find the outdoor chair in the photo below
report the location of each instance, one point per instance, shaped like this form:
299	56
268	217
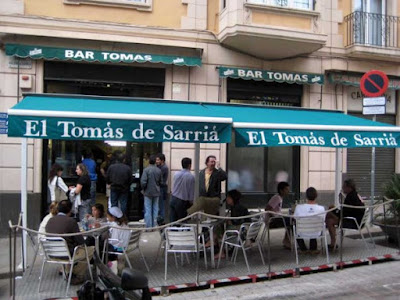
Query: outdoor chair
183	240
35	242
245	238
268	228
133	244
359	227
308	228
56	251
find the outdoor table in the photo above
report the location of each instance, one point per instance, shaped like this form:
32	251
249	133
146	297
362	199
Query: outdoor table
209	224
96	235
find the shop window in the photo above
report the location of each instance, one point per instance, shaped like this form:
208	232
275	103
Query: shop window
296	4
136	4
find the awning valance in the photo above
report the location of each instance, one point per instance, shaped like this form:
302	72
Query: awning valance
72	117
278	76
353	79
96	118
44	52
274	126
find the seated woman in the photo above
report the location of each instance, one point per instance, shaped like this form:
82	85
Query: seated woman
333	218
97	217
53	211
235	210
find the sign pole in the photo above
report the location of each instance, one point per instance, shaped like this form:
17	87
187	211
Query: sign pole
372	179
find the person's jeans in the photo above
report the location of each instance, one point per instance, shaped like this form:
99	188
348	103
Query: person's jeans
161	203
84	209
92	194
177	209
121	197
150	211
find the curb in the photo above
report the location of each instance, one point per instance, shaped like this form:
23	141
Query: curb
185	287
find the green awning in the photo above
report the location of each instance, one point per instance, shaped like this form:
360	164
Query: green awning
278	76
69	117
72	117
354	78
43	52
274	126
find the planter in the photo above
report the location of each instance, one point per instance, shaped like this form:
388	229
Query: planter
390	229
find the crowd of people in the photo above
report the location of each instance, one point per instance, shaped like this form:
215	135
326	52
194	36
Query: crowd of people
80	200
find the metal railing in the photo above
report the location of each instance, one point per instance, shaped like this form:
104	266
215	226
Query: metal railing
372	29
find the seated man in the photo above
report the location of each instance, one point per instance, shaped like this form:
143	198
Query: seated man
63	223
275	205
309	209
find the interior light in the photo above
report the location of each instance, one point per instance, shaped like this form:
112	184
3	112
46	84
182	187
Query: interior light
116	143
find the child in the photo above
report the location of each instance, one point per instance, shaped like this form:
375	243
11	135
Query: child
118	238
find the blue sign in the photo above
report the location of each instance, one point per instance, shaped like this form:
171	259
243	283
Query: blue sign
3	123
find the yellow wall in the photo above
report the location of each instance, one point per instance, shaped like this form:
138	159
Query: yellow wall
164	13
213	15
295	22
345	6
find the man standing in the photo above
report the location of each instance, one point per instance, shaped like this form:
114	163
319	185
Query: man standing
209	188
275	205
119	176
160	162
151	182
91	167
62	223
182	191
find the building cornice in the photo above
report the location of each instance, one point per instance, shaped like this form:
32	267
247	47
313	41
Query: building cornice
110	32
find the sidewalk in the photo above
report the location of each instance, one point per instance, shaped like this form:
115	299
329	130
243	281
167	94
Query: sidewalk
183	277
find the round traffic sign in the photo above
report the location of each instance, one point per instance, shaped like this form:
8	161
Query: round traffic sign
374	83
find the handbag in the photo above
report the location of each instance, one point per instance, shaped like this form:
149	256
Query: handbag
60	195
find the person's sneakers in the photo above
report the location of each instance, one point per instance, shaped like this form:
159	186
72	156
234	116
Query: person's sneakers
315	252
331	248
75	280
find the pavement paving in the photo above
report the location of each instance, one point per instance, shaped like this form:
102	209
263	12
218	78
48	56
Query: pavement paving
378	281
307	286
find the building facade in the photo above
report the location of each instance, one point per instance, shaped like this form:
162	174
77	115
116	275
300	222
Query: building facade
300	53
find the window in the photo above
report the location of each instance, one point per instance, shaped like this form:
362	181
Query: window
370	25
136	4
297	4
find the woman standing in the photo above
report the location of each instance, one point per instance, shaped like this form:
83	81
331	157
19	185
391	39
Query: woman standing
83	190
55	181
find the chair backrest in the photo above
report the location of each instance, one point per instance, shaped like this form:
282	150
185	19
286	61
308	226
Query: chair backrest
134	239
55	247
180	236
310	226
365	217
253	231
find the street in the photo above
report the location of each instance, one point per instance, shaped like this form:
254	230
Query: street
378	281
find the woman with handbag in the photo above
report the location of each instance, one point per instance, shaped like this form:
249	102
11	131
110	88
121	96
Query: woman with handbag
58	189
82	189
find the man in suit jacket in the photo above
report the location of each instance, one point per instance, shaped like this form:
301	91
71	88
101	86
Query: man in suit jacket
210	180
62	223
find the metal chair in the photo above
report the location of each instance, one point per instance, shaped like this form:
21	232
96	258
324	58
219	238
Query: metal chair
183	240
35	242
133	244
310	228
359	226
56	251
245	238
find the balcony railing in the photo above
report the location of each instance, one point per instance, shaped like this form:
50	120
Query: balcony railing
372	29
296	4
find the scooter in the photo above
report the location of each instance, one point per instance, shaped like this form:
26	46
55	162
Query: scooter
131	285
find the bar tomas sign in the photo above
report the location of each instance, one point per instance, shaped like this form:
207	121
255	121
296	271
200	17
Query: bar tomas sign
278	76
316	138
38	52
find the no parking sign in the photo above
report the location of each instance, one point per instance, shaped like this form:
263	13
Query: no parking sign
374	83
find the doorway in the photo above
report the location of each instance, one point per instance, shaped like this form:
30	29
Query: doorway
101	80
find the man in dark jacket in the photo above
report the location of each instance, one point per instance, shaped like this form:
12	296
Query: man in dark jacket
63	223
119	176
210	180
151	182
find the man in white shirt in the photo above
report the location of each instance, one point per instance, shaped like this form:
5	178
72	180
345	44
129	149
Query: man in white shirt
309	209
